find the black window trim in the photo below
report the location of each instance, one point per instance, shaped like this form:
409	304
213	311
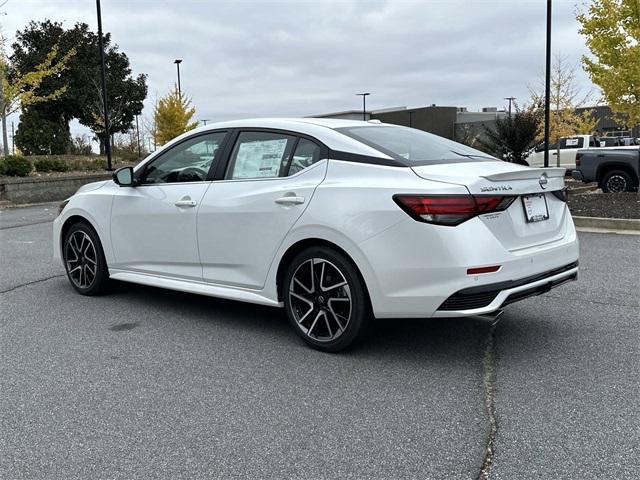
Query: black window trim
216	160
232	139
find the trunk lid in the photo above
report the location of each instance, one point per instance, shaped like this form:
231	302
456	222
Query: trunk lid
511	226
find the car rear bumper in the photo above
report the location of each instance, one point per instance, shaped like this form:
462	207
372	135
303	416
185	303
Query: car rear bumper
489	298
415	268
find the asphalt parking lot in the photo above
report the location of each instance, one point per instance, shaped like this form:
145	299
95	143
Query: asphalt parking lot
146	383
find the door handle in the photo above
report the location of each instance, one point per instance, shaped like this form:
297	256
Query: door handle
289	200
185	202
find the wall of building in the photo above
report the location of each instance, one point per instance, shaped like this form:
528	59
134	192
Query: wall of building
434	119
607	124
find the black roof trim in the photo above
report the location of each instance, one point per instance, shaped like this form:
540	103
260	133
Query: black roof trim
357	158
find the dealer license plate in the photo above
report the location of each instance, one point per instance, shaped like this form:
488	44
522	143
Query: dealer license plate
535	207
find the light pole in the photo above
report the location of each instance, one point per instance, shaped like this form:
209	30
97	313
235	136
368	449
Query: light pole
547	87
138	136
204	121
364	103
511	99
103	78
178	61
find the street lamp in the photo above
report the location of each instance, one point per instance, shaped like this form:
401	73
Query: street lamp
364	103
103	78
511	99
204	121
178	61
547	88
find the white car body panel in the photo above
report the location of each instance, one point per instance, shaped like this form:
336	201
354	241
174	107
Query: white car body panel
150	234
241	224
231	243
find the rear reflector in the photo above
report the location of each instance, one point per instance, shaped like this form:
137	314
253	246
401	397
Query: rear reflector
450	209
477	270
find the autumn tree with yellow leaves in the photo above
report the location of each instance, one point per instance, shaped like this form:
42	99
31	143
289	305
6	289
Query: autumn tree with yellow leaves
612	32
172	116
20	89
566	97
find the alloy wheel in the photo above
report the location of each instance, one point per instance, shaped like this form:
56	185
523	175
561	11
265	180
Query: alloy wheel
320	300
617	184
81	259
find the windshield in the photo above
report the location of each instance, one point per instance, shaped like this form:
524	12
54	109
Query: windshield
414	147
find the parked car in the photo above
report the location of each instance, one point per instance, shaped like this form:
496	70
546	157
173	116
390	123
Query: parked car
615	169
568	148
336	221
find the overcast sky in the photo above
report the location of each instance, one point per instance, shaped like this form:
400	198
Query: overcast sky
294	58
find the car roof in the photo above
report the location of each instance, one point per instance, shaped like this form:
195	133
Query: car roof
323	129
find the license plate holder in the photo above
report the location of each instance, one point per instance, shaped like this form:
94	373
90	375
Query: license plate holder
535	207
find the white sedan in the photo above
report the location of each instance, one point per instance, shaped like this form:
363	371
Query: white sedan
336	221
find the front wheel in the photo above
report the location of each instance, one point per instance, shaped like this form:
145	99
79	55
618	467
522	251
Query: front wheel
325	299
617	181
84	260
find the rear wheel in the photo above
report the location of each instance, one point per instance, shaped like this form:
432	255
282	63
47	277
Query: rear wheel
325	299
84	260
617	181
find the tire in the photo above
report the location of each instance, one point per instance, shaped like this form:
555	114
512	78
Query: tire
617	181
326	299
84	260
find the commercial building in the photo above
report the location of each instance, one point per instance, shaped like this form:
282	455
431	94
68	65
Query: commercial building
457	123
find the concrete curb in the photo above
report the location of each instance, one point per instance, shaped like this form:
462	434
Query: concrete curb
581	190
632	224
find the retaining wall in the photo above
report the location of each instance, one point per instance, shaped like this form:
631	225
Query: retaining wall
45	189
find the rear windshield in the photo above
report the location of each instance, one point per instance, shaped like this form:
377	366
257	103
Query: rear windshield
414	147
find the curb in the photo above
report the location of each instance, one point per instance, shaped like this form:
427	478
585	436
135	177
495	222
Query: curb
582	189
632	224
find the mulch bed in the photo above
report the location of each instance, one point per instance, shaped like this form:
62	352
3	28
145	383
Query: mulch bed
605	205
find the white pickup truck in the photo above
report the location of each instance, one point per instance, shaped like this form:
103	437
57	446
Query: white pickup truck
569	146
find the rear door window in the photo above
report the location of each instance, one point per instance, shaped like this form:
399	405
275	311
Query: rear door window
575	142
259	155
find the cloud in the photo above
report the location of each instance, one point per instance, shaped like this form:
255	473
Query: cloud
292	58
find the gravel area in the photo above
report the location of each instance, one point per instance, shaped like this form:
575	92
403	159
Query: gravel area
606	205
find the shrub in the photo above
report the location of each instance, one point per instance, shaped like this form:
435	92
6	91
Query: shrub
15	166
87	164
51	165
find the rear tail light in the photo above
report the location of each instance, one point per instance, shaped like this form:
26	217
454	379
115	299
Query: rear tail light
578	159
450	209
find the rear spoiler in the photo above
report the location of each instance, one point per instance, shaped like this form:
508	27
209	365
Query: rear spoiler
526	174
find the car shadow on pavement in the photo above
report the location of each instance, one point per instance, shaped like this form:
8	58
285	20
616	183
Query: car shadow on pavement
435	337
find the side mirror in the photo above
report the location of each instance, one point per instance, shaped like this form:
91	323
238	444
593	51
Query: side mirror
124	177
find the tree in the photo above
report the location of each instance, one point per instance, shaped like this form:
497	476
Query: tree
513	136
612	32
172	116
82	99
20	87
566	97
40	135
